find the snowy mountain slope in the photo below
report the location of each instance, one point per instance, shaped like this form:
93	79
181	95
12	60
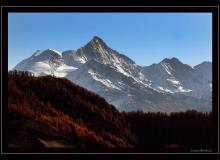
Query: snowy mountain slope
40	63
204	68
123	92
167	86
171	75
97	50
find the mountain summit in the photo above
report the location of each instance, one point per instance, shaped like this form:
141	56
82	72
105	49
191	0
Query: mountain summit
96	44
172	60
97	40
167	86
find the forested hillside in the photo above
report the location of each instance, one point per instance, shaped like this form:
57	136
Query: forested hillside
46	111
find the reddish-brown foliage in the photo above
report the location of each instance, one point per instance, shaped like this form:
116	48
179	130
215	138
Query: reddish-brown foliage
75	112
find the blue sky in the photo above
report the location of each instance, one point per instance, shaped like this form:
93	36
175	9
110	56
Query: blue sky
144	37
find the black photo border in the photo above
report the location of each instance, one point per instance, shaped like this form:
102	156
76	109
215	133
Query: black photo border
100	9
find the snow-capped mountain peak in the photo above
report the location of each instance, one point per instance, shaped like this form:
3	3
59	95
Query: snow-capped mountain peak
49	61
203	65
46	53
37	53
175	63
204	68
55	51
95	49
167	86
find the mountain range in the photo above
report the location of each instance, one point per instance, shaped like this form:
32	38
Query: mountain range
169	86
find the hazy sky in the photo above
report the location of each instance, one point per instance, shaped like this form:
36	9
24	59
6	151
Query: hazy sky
144	37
